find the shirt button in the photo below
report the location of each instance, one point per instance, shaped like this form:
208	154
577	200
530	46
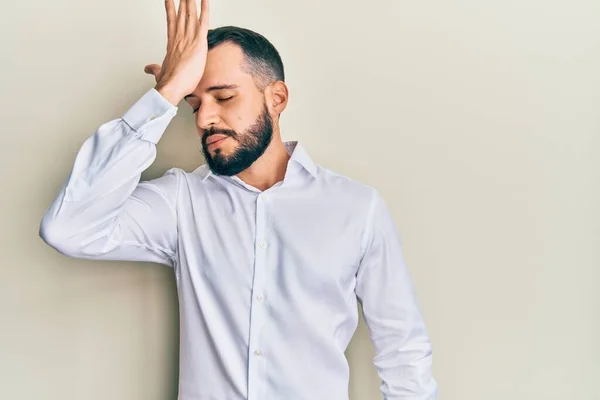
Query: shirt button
260	298
257	352
263	245
266	197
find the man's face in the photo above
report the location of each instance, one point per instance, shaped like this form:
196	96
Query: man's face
232	117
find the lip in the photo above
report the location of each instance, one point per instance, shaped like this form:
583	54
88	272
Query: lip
215	139
215	144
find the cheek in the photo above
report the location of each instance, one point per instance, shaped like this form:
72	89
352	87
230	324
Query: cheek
238	121
240	116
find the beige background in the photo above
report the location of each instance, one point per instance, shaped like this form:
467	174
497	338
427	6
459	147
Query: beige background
478	121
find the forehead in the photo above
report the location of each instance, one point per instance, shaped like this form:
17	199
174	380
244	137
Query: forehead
224	67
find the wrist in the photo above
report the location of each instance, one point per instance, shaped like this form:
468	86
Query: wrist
169	92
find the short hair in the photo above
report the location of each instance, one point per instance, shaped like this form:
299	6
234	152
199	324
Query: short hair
262	60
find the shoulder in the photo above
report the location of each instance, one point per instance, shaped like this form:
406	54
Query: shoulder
336	181
168	181
166	185
352	191
177	176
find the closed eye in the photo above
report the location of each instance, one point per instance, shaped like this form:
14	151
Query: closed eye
218	101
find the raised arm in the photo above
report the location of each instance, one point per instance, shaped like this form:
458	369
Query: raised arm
102	210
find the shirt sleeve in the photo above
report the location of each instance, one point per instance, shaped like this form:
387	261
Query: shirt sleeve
385	291
103	211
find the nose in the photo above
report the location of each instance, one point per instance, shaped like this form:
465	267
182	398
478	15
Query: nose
207	116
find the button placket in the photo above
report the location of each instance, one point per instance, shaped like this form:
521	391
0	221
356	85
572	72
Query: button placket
257	359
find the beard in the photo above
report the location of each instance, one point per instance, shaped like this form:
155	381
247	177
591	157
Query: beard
252	144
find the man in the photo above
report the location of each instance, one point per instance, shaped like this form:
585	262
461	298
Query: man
270	251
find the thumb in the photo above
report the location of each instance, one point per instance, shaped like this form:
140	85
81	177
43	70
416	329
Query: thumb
153	69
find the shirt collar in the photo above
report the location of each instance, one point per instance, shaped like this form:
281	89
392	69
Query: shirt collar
295	150
299	155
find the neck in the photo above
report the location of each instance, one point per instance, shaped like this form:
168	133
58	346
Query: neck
269	168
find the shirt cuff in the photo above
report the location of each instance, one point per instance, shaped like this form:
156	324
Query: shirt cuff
150	115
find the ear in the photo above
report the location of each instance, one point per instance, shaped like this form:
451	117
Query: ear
277	97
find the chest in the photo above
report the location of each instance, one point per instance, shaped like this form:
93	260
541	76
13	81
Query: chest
292	237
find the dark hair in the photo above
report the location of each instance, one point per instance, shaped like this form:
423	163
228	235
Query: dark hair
262	59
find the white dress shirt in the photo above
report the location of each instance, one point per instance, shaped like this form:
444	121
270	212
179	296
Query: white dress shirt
268	281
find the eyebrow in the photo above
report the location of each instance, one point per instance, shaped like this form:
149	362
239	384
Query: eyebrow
214	88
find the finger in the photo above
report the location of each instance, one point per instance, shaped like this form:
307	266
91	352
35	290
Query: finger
171	20
181	16
204	17
153	69
192	19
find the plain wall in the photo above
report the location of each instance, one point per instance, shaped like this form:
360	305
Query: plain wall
478	122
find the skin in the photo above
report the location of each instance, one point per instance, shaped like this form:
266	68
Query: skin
190	70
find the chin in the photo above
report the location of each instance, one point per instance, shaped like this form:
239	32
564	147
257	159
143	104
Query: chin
226	148
222	154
